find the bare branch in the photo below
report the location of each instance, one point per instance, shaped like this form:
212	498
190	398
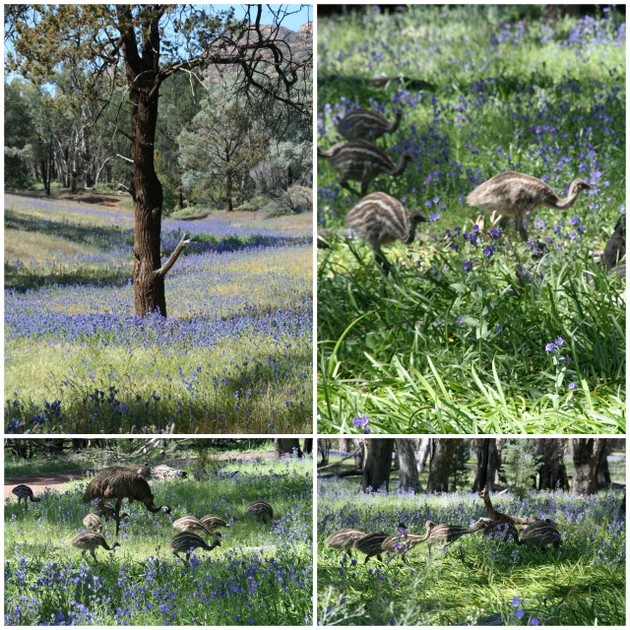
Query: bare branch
181	246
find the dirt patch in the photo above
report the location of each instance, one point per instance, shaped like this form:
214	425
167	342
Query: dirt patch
89	197
40	483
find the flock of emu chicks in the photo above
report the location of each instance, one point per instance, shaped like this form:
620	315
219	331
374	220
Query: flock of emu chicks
523	530
379	218
130	482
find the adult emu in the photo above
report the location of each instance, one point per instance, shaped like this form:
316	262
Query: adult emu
119	482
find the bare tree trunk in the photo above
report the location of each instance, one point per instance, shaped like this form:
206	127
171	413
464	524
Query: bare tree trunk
308	445
586	455
424	449
603	474
553	472
288	446
442	451
488	464
407	465
378	464
345	445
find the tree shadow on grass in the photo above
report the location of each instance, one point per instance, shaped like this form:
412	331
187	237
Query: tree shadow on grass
21	279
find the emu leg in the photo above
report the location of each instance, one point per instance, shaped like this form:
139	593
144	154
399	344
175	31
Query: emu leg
382	261
118	505
344	184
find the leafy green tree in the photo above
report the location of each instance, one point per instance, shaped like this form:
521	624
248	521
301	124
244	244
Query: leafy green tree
223	141
149	43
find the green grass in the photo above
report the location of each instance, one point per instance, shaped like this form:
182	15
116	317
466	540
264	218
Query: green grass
261	574
453	341
583	583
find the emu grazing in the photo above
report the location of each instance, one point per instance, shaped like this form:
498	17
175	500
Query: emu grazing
188	542
514	194
366	124
371	545
190	524
25	493
90	541
359	160
120	483
212	522
379	219
261	510
344	539
92	522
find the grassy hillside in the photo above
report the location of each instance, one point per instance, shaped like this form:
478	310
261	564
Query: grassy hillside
233	356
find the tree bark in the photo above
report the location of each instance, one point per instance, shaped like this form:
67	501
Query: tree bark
586	455
407	465
424	449
308	445
378	464
288	446
553	472
603	474
442	451
488	464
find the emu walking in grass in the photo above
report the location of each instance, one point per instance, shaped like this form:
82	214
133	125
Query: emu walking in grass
514	194
615	249
540	534
379	219
446	534
122	483
344	539
25	493
359	160
90	541
261	510
371	545
366	124
402	541
188	542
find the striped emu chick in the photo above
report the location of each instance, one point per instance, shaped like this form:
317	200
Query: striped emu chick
212	522
188	542
92	522
191	524
514	194
90	541
25	493
401	542
371	545
366	124
344	539
540	534
449	533
261	510
379	219
361	161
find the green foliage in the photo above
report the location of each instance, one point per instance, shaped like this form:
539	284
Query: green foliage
520	466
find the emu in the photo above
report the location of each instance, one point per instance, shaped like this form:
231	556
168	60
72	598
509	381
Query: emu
615	249
360	160
188	542
379	219
90	541
344	539
401	542
371	545
212	522
366	124
261	510
25	493
121	483
512	194
190	524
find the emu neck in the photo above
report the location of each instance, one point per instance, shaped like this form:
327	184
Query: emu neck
569	201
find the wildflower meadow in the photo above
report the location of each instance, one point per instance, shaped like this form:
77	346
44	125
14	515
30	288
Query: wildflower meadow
475	580
476	330
234	355
261	574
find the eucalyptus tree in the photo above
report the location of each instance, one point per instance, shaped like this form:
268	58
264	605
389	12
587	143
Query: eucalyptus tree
142	45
